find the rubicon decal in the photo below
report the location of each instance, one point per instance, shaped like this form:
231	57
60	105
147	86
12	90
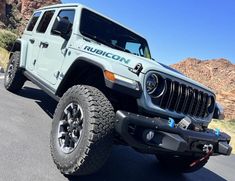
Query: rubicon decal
106	54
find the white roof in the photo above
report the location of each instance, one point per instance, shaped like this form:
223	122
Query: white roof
83	6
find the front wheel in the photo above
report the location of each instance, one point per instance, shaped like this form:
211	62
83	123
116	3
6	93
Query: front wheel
82	131
180	164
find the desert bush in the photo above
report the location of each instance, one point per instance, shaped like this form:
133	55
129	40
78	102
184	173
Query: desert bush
7	39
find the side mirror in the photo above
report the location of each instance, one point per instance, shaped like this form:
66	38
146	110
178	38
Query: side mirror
62	27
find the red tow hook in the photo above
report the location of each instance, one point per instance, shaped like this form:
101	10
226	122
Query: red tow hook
206	148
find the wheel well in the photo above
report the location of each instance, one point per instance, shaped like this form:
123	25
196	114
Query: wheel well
85	73
16	46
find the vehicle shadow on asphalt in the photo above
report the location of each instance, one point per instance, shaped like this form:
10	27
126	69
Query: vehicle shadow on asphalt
128	165
124	163
47	103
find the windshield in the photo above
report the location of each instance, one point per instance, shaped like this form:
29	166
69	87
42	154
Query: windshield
113	35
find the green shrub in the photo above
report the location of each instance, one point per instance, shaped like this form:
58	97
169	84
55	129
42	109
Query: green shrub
7	39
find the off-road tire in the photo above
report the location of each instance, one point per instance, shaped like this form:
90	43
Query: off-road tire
96	140
16	81
180	164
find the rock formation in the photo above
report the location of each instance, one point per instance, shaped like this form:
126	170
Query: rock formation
15	14
217	74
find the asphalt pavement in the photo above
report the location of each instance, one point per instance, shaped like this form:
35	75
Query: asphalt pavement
25	123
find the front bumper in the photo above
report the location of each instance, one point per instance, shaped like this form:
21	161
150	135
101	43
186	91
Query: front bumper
134	128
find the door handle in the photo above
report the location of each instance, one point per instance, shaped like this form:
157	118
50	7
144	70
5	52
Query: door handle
32	41
44	44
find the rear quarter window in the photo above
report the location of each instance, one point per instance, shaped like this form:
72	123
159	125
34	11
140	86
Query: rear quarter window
33	21
45	21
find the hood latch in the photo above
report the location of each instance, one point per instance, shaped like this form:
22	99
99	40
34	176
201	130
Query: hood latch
137	70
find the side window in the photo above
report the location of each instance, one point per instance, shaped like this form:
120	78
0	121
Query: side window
67	15
33	21
46	18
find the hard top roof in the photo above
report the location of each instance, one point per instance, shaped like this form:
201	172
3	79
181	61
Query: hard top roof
83	6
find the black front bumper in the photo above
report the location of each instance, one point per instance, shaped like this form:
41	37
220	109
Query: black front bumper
134	128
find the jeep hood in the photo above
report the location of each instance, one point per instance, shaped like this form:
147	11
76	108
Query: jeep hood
130	61
151	65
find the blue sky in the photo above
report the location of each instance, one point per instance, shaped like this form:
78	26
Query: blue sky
176	29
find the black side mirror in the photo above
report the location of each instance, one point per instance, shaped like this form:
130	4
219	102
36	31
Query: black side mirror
62	27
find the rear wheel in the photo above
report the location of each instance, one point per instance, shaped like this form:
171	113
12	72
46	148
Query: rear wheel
14	78
180	163
82	131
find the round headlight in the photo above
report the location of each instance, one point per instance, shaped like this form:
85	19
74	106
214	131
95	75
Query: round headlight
151	83
155	85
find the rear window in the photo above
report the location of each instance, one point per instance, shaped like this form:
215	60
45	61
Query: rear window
45	21
33	21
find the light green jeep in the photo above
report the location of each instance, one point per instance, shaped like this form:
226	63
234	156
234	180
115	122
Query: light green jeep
110	90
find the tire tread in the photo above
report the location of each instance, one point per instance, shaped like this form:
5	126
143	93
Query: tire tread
18	80
101	124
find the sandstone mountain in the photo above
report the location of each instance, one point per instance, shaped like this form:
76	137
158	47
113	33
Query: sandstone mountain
217	74
14	14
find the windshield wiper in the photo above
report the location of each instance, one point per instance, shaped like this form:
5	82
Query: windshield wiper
95	38
105	42
119	48
113	45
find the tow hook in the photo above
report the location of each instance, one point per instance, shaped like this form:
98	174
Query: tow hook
208	149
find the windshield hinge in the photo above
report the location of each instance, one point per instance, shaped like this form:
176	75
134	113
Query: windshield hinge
137	70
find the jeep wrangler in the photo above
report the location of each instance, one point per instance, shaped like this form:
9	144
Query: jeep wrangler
110	90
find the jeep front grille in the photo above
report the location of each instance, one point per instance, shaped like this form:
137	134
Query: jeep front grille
184	99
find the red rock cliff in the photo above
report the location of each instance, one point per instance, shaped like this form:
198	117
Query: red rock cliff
218	74
27	6
16	13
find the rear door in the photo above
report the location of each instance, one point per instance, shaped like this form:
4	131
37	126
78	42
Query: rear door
53	48
33	41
